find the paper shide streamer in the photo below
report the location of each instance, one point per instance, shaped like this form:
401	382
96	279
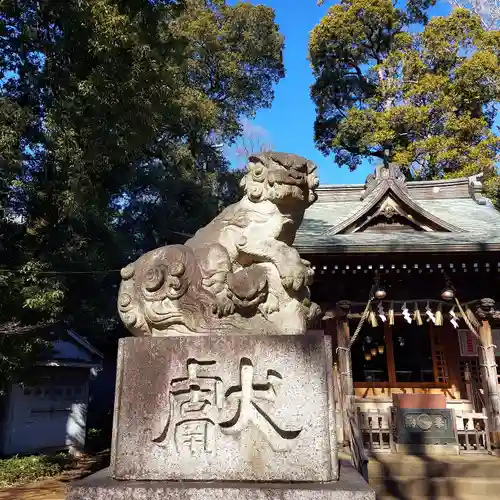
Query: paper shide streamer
430	314
381	312
406	313
453	317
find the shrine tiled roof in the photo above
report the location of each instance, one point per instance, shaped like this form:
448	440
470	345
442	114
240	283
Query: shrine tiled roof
444	215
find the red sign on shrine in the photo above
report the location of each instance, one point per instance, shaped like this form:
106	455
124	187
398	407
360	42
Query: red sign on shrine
468	343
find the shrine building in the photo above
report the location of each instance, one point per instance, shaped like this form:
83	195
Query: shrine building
411	261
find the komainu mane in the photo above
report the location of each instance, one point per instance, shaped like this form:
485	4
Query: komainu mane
238	273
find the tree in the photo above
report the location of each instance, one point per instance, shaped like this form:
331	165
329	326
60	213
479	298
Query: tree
108	111
428	98
487	10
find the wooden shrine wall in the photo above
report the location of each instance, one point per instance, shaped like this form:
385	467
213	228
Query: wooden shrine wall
415	277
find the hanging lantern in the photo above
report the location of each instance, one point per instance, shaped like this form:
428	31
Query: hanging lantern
378	290
368	356
448	292
373	351
381	348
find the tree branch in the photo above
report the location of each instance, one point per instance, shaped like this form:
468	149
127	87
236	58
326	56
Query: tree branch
14	328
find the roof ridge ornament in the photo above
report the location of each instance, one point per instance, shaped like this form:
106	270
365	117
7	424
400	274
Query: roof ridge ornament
476	188
390	199
384	173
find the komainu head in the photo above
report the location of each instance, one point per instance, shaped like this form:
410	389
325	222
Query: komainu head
282	178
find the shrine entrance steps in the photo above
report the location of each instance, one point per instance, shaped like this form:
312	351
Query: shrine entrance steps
408	477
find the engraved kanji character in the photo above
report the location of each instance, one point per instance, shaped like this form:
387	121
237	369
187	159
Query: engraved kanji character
410	421
439	422
194	405
249	412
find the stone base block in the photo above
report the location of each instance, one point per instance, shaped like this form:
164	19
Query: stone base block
229	408
101	487
424	427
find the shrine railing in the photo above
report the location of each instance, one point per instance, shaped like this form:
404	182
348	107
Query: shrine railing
376	430
350	425
359	457
473	433
473	388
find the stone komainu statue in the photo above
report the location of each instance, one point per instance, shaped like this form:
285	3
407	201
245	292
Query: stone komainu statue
237	274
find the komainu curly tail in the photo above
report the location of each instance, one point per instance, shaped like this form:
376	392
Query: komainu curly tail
163	289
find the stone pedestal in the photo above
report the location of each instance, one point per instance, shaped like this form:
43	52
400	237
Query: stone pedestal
216	398
224	417
232	407
101	487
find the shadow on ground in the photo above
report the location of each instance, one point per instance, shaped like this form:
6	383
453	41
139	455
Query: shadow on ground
434	471
90	465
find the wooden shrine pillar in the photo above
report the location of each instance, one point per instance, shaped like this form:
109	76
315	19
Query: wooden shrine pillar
344	364
489	374
352	432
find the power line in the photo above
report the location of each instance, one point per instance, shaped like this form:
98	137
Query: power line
61	272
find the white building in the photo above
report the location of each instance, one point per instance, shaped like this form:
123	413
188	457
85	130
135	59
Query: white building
52	414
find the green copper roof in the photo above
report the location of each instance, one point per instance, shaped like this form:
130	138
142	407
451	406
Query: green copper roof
474	221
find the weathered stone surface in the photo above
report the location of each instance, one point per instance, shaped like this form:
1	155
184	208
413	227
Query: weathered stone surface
238	272
351	486
224	408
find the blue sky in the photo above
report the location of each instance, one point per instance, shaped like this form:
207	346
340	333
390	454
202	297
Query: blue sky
289	122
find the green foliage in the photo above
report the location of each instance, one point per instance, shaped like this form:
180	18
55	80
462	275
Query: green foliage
428	96
18	470
110	117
